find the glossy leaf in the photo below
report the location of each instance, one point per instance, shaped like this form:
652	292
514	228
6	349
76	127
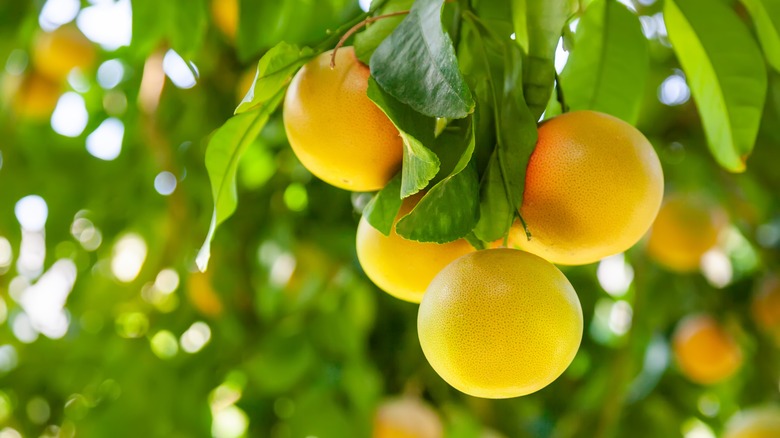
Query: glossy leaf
416	64
274	71
724	68
383	208
538	27
766	18
447	212
420	164
607	68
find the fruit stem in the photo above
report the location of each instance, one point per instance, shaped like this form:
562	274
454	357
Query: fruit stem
357	27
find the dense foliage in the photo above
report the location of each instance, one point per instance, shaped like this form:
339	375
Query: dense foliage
108	327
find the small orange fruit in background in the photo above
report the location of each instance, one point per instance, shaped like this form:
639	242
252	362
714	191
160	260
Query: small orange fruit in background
766	305
407	417
686	228
202	294
500	323
58	52
404	268
245	81
36	96
592	189
225	16
336	132
705	352
757	422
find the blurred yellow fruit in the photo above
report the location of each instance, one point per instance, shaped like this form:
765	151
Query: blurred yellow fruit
404	268
336	132
225	16
35	97
58	52
500	323
766	305
245	82
592	189
705	352
406	417
762	422
686	228
202	295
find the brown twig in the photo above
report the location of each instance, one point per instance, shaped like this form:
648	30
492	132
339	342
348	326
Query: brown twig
357	27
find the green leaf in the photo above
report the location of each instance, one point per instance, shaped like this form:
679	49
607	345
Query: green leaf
538	27
188	24
724	68
416	64
454	147
495	211
182	22
367	41
222	156
381	211
447	212
766	18
420	165
262	24
607	68
274	71
517	132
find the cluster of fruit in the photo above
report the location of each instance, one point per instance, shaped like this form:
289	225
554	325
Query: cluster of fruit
54	55
499	322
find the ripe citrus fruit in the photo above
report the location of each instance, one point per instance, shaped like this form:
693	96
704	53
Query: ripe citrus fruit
36	97
766	305
403	268
705	352
335	130
686	227
593	187
763	422
58	52
225	15
500	323
406	418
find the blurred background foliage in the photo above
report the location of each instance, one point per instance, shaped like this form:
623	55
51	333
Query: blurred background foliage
106	328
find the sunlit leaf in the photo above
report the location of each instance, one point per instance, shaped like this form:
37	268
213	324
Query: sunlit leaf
766	18
274	70
222	157
607	68
725	71
416	64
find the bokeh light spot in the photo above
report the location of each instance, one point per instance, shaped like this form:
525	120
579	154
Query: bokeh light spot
55	13
105	142
110	73
164	344
70	116
128	257
32	212
165	183
181	73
